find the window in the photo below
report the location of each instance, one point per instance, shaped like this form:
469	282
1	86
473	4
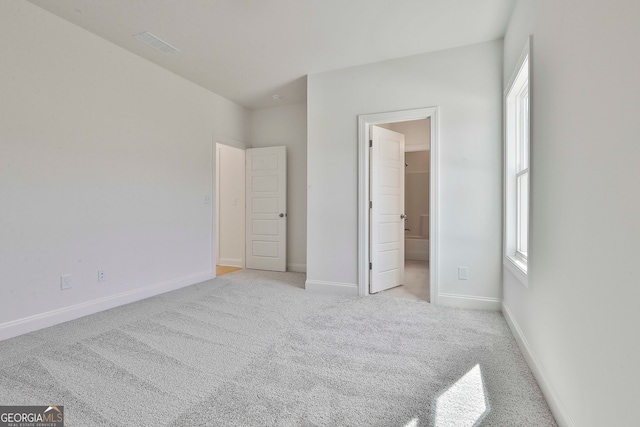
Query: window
517	141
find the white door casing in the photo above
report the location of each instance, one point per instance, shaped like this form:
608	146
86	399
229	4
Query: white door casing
266	193
387	209
364	235
230	206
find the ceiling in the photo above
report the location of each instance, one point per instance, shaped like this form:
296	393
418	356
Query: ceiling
250	50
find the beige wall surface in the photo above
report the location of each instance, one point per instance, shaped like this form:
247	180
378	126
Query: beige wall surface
417	133
416	195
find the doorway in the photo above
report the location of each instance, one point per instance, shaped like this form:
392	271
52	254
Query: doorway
251	215
422	223
417	136
230	206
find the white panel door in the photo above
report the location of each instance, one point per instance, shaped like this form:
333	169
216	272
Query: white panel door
266	183
387	209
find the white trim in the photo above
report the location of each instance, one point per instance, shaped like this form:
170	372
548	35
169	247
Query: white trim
216	219
555	404
526	51
297	268
335	288
241	262
414	148
44	320
471	302
517	268
235	143
231	262
213	232
364	122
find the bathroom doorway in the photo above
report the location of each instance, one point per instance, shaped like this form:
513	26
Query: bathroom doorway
366	125
417	138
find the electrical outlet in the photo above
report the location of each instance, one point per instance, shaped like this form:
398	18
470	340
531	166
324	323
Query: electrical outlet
65	281
101	276
463	273
207	199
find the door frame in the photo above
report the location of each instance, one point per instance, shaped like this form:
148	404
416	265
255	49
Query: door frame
215	243
364	123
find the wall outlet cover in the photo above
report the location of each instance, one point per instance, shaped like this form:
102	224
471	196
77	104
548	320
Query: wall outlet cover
65	282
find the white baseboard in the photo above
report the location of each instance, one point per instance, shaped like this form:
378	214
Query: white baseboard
557	408
332	287
470	301
297	268
231	262
25	325
417	255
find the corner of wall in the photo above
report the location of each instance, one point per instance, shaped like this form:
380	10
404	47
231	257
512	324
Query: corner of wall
469	302
44	320
334	288
556	406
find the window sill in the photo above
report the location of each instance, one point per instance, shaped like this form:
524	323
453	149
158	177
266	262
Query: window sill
518	268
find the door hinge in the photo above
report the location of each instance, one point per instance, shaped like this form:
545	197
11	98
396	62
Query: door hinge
371	143
370	266
370	204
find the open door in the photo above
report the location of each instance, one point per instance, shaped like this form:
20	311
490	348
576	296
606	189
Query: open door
386	209
266	218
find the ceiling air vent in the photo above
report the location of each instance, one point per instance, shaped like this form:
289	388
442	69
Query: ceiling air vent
156	43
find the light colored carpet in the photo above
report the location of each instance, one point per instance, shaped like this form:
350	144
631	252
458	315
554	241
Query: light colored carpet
254	349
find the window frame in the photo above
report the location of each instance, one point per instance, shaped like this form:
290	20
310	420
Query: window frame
517	166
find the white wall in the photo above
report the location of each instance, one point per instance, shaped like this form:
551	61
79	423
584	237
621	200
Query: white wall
287	125
578	319
230	205
465	84
105	162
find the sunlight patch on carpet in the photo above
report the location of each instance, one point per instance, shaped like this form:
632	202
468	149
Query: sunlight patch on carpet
413	423
464	403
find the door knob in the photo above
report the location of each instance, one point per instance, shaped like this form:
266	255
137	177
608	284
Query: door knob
403	216
282	215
